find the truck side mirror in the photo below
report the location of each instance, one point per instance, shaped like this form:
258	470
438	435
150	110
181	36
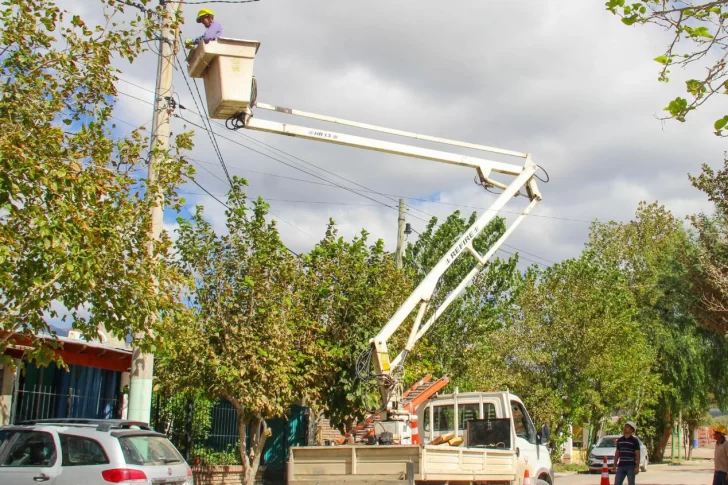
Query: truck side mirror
545	434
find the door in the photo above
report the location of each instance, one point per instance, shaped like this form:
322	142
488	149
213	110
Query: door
28	458
83	460
525	437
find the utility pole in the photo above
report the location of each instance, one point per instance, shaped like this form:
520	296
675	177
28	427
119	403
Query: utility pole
400	233
142	367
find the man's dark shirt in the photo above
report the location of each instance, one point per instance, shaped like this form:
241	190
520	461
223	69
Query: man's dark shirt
628	449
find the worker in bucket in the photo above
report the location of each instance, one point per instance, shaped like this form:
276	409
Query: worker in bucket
213	30
720	477
627	456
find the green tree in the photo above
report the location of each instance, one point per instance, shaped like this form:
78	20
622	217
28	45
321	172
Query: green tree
570	348
242	340
699	35
655	254
709	275
474	314
349	291
74	224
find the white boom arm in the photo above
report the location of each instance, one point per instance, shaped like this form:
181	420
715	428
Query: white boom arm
523	177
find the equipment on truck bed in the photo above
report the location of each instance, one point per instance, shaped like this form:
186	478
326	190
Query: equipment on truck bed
227	69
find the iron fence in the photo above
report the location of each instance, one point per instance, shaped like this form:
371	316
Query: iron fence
45	403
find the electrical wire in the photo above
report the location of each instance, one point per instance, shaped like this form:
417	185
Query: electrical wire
273	148
297	168
548	178
228	207
210	130
530	254
332	184
206	119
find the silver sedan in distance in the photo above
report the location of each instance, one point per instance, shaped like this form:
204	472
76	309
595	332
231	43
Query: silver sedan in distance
607	446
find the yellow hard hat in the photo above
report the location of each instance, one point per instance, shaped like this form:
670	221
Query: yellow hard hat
721	429
204	13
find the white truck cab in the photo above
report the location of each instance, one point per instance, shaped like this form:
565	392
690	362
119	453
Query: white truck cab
438	416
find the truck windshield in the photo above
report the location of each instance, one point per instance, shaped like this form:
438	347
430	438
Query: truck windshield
444	416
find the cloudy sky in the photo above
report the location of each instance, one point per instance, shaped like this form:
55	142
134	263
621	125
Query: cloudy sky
561	79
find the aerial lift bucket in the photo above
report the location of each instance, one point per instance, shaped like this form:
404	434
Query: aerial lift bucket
226	65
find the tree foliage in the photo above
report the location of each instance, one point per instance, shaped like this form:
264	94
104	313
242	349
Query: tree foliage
569	348
655	255
475	313
710	275
699	31
241	340
348	292
74	224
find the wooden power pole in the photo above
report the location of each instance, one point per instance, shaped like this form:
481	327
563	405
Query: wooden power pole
142	367
400	233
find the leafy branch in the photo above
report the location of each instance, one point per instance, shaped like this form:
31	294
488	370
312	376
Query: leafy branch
699	32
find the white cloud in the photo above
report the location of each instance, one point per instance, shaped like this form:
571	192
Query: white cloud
562	79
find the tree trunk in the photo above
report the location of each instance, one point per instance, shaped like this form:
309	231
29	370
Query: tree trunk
243	436
257	443
658	452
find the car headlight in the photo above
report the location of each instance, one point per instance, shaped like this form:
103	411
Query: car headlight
592	457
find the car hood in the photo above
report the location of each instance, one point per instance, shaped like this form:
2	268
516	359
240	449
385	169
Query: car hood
604	451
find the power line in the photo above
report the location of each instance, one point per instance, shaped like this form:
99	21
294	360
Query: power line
230	208
522	257
206	119
531	254
211	132
296	167
334	184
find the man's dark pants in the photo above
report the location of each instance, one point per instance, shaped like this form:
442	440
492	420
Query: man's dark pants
625	471
719	478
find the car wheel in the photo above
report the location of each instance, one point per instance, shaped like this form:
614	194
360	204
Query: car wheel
541	482
644	467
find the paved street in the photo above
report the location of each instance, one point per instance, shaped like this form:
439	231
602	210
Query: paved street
693	473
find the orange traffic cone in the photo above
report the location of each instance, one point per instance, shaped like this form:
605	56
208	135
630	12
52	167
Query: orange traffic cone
415	432
527	478
605	473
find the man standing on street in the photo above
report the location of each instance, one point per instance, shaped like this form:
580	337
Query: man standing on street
721	456
627	456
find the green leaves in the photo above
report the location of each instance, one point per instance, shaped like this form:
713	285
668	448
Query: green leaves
698	34
75	228
720	123
678	108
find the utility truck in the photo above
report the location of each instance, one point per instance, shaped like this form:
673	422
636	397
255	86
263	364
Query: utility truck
416	436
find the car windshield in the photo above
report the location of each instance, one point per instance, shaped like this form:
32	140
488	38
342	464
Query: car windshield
607	443
149	450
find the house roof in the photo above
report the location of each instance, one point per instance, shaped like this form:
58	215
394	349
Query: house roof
72	351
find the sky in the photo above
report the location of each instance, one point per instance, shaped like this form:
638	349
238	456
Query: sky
563	80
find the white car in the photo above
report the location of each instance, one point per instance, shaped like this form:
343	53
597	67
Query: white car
88	452
607	446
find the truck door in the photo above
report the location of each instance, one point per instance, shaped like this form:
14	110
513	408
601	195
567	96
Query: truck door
525	437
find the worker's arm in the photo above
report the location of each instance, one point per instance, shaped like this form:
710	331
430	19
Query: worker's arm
637	460
213	32
616	458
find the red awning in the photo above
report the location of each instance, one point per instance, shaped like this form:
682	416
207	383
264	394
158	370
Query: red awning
78	352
